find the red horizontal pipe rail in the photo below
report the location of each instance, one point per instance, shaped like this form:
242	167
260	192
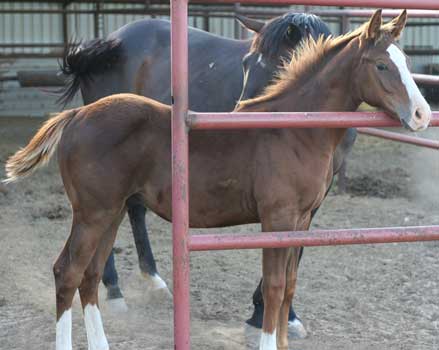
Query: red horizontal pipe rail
394	136
313	238
425	79
368	13
246	120
406	4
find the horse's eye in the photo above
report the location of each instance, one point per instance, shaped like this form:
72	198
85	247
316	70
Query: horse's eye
382	66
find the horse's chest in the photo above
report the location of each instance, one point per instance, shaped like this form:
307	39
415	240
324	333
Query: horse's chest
310	180
296	180
312	189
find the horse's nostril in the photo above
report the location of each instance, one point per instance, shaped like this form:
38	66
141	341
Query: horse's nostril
418	115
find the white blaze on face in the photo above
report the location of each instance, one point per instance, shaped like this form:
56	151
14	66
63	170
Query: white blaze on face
95	330
421	119
64	331
268	341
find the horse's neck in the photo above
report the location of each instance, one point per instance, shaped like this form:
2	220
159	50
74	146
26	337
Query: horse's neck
331	88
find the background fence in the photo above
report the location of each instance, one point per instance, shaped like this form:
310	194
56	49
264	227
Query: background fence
33	35
182	121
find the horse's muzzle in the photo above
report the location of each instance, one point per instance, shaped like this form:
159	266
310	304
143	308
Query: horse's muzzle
418	119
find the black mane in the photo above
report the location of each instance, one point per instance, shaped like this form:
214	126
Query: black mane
273	40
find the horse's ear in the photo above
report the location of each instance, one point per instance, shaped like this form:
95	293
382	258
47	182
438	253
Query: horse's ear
373	29
250	23
293	34
397	24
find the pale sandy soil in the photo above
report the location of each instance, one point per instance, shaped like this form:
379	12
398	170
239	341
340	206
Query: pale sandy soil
362	297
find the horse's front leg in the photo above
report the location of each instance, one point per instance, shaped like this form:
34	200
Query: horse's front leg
295	326
274	286
290	287
274	263
148	268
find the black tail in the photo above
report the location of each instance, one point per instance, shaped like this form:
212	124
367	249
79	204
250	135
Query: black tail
81	60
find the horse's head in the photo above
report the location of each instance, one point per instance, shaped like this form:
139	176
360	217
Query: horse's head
384	79
272	43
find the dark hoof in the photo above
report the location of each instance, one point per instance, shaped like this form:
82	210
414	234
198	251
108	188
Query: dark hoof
113	292
258	315
295	326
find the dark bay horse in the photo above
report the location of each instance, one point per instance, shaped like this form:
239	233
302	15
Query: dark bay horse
120	146
136	59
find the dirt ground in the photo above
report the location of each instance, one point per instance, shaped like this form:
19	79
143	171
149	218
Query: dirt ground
351	297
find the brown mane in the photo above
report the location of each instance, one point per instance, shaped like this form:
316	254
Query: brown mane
305	61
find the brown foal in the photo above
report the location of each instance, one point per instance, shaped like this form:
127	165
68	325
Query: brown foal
121	145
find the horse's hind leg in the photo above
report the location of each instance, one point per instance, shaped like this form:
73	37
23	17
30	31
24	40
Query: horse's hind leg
136	213
65	290
88	290
110	279
70	267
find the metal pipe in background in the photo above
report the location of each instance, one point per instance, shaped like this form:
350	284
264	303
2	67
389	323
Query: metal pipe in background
395	136
201	242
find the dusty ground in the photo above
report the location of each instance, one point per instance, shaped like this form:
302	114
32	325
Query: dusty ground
362	297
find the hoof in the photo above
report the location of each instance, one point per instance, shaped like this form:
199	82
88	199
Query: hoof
296	329
256	319
156	285
113	292
117	305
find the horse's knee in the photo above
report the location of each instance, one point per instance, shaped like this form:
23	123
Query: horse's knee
274	290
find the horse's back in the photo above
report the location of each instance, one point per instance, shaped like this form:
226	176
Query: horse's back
126	108
114	118
145	67
130	33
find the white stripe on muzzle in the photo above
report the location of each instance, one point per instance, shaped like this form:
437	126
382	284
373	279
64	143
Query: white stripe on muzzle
417	101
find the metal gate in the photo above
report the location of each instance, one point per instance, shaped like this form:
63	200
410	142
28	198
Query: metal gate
183	122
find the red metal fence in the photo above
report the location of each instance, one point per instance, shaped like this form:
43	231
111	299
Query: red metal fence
182	122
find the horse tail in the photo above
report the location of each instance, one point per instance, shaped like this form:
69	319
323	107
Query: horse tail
40	149
81	60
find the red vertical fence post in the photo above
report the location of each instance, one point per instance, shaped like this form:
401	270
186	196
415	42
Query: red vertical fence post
182	243
180	173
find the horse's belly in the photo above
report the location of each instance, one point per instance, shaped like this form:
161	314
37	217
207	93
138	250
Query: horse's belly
223	204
